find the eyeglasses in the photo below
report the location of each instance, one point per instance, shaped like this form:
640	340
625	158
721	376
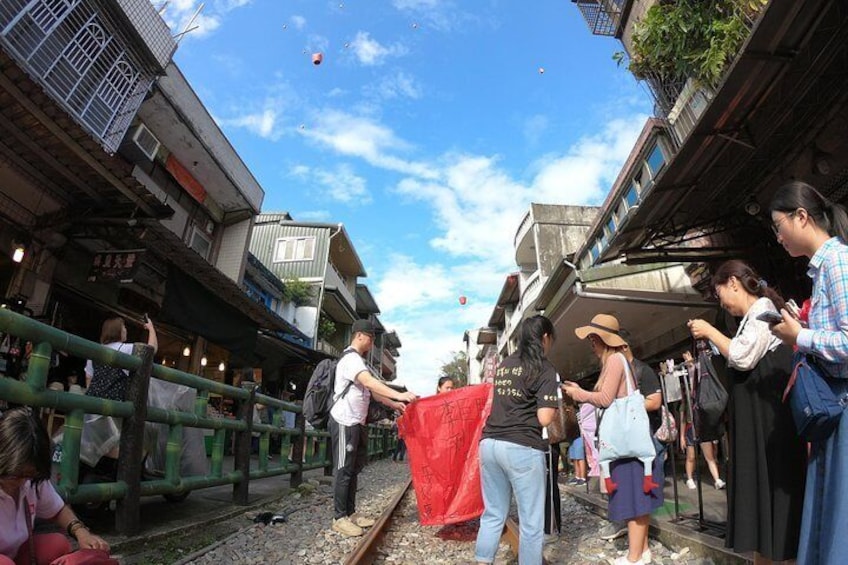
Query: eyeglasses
775	227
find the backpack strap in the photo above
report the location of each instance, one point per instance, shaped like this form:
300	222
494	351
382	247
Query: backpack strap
348	385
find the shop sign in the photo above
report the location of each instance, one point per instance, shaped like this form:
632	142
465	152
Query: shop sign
120	266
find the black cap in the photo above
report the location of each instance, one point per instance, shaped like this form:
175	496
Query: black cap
364	326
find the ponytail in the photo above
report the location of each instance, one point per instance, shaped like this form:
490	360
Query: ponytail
829	216
749	279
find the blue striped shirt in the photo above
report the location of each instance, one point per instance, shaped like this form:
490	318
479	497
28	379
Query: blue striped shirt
827	336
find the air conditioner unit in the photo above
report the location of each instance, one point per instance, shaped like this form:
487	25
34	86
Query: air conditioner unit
146	141
693	100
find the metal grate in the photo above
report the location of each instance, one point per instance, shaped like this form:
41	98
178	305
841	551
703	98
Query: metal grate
602	16
77	54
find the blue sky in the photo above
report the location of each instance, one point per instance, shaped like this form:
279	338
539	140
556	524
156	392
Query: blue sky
427	130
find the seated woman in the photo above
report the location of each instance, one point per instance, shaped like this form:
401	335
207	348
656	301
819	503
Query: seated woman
26	493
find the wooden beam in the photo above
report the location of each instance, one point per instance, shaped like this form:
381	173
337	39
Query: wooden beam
25	101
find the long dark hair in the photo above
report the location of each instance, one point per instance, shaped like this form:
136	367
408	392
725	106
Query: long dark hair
530	342
24	443
829	216
748	278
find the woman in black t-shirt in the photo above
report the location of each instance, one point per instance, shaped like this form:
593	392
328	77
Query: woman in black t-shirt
512	449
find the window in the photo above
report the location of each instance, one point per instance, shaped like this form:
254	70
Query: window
632	197
200	243
656	161
294	249
611	227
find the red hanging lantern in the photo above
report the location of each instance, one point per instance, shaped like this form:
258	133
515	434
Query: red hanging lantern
463	300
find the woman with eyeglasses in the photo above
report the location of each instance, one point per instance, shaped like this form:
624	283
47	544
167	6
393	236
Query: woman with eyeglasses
808	224
766	475
26	493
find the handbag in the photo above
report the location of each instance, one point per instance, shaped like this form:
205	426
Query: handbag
710	401
624	432
667	432
815	409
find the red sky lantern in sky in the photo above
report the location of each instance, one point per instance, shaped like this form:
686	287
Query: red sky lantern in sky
317	58
463	300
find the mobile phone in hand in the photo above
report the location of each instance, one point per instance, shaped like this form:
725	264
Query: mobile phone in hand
770	317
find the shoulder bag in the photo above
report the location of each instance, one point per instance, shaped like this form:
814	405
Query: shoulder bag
815	409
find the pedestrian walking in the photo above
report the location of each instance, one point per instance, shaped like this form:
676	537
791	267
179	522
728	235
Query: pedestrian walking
766	476
512	449
808	224
354	386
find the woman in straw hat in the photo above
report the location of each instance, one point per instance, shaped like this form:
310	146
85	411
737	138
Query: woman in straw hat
633	496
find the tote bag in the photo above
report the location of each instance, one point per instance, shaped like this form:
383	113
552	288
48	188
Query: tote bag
624	430
710	401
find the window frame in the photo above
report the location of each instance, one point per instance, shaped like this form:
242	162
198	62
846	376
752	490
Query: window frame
280	257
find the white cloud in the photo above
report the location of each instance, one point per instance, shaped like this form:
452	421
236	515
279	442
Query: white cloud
440	15
340	184
370	52
395	86
477	206
298	22
181	15
313	216
261	123
534	127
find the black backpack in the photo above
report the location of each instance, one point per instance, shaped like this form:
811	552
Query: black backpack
318	399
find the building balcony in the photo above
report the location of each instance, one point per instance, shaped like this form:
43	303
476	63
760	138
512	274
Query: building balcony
339	302
602	16
388	366
97	60
531	286
328	348
525	244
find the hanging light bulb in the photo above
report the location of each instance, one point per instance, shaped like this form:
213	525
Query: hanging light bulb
221	366
203	361
18	252
186	351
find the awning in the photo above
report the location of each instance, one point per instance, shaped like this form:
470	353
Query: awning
782	103
654	318
273	353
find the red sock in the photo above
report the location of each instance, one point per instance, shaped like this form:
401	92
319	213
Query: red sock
611	486
648	484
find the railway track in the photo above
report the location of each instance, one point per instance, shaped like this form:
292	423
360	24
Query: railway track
369	548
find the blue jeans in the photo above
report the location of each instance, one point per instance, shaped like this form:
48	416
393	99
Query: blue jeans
506	468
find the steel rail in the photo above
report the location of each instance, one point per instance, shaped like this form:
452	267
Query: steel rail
366	550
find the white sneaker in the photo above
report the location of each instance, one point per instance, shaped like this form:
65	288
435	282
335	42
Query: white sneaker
691	484
647	557
362	521
346	528
623	560
719	484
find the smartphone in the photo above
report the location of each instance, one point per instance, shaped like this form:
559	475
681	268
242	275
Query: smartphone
770	317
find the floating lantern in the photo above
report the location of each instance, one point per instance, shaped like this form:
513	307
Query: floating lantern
541	70
463	300
317	58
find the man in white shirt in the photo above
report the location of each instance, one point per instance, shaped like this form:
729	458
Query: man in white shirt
354	386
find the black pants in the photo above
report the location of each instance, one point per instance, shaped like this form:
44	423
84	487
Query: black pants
553	513
350	454
400	451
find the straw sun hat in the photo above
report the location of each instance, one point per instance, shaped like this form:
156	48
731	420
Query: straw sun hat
605	327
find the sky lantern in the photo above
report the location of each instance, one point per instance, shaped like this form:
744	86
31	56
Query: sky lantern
317	58
541	70
463	300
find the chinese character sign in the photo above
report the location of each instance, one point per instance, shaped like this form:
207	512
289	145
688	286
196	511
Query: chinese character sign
442	435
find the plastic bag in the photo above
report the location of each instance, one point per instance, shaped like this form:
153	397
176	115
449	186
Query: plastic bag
442	435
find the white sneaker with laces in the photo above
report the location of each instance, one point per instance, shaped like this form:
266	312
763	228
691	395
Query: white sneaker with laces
691	484
719	484
623	560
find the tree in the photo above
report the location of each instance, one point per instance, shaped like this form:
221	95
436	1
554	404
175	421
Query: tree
456	369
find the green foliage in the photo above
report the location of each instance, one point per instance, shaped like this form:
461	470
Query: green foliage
691	38
456	369
326	327
297	291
